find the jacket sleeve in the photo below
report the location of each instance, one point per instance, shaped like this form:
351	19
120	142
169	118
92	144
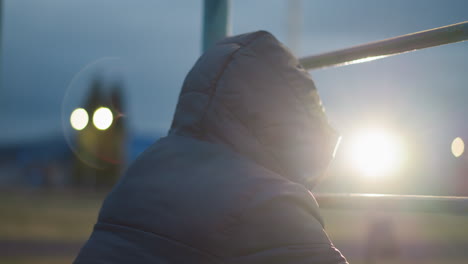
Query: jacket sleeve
281	227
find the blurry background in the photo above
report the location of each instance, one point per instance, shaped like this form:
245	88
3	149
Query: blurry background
122	63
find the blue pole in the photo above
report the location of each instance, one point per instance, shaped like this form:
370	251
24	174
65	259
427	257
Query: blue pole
1	46
1	24
1	27
1	40
215	22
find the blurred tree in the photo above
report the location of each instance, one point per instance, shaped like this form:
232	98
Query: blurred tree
101	152
111	141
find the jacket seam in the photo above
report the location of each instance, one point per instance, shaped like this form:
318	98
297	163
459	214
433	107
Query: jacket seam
281	171
214	85
204	252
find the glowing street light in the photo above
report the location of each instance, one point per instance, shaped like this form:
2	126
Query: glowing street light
458	147
102	118
79	119
375	153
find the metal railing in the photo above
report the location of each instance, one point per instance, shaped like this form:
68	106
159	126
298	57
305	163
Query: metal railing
376	50
216	26
392	46
456	205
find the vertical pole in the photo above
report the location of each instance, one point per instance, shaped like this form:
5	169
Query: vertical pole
1	25
1	40
295	21
215	22
1	46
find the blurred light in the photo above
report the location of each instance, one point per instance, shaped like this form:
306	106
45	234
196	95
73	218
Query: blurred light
458	147
365	59
375	153
373	195
79	119
102	118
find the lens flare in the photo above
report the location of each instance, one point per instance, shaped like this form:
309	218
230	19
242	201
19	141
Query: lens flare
79	119
99	83
102	118
458	147
375	153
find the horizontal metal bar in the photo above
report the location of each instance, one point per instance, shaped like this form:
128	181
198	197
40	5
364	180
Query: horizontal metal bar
384	48
457	205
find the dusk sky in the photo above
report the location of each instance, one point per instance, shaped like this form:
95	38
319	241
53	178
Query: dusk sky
51	46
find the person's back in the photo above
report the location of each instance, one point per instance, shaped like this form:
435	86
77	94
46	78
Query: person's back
230	183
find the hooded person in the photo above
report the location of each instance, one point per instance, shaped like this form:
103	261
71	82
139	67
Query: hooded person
231	181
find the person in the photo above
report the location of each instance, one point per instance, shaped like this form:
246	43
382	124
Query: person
231	181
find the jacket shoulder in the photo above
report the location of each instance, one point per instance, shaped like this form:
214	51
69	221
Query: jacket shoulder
186	190
280	224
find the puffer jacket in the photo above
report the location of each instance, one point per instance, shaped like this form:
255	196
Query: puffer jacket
231	181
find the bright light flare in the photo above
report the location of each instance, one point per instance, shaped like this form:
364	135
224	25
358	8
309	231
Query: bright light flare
102	118
79	119
458	147
375	153
365	59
